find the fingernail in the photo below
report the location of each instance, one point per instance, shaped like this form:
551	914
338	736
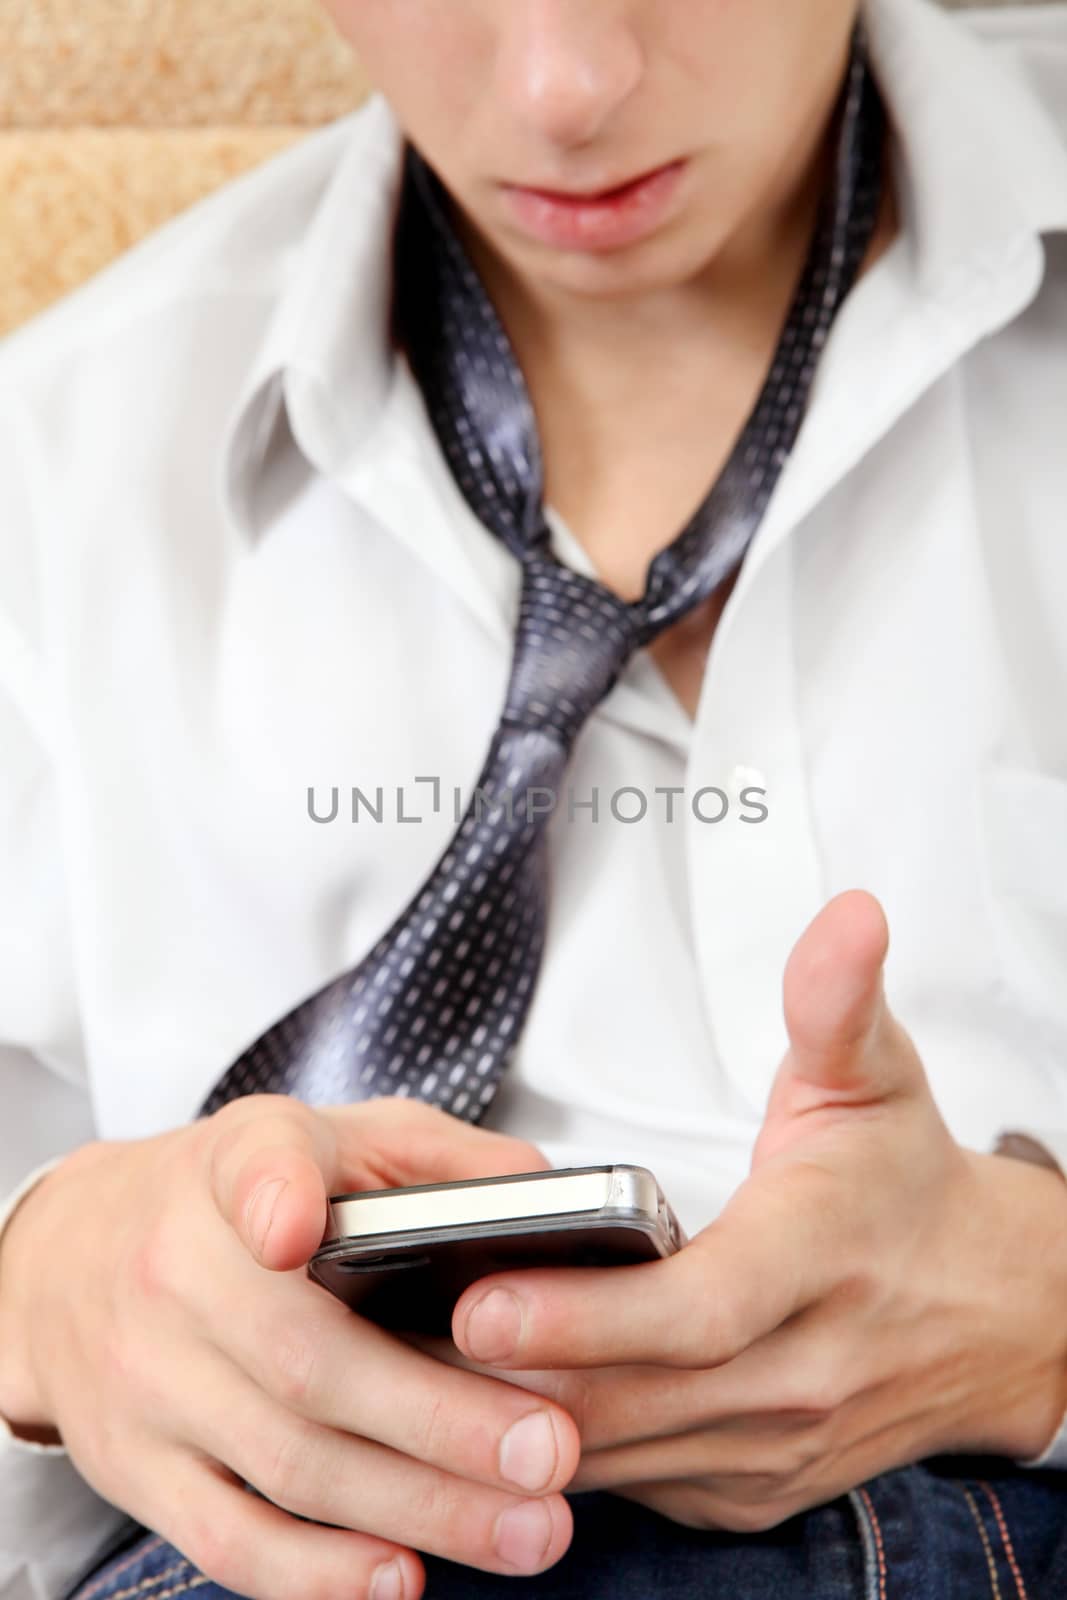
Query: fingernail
494	1326
388	1583
524	1534
261	1212
529	1454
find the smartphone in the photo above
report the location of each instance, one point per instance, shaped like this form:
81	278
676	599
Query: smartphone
403	1257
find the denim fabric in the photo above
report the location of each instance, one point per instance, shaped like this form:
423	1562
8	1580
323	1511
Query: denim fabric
949	1528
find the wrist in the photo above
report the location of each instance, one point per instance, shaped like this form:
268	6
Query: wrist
22	1403
1024	1223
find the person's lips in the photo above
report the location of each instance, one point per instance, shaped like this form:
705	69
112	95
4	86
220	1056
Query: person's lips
602	193
603	220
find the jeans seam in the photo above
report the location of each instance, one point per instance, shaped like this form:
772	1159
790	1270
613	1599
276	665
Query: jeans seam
873	1544
991	1561
99	1583
197	1581
150	1585
1009	1548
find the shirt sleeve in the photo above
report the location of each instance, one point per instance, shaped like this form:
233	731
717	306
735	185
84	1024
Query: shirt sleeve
1047	1149
51	1521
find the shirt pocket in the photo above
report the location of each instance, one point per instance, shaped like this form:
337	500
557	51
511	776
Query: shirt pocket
1022	822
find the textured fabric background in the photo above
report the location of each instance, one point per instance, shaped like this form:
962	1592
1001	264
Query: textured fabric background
115	114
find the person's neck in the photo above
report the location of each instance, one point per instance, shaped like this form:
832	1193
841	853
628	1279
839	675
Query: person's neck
639	398
585	352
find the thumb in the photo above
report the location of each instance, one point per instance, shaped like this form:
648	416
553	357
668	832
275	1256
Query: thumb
845	1047
274	1163
271	1164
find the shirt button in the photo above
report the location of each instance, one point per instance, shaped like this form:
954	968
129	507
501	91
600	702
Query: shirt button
742	777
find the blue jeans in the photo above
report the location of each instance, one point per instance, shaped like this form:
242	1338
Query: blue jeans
948	1528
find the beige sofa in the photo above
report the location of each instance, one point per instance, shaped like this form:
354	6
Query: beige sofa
114	114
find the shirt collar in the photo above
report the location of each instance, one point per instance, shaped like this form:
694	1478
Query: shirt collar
981	166
974	188
325	355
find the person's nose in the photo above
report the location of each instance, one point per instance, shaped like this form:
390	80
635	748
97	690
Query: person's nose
568	65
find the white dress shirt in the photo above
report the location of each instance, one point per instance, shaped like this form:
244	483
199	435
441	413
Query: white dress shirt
234	566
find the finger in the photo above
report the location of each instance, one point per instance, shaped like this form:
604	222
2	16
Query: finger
304	1347
686	1503
768	1255
616	1408
757	1500
726	1505
271	1163
389	1143
339	1478
274	1163
609	1406
740	1451
248	1547
755	1440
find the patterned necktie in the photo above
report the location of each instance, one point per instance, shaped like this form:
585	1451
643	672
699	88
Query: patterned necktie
435	1009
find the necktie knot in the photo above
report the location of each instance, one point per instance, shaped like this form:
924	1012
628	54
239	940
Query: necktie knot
573	638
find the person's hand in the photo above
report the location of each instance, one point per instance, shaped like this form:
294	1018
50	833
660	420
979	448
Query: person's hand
873	1293
155	1310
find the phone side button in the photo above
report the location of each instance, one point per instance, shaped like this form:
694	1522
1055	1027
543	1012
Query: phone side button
381	1264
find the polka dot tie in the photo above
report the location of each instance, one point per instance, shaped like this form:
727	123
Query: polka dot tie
435	1009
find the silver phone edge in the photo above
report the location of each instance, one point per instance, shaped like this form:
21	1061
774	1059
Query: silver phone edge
620	1188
